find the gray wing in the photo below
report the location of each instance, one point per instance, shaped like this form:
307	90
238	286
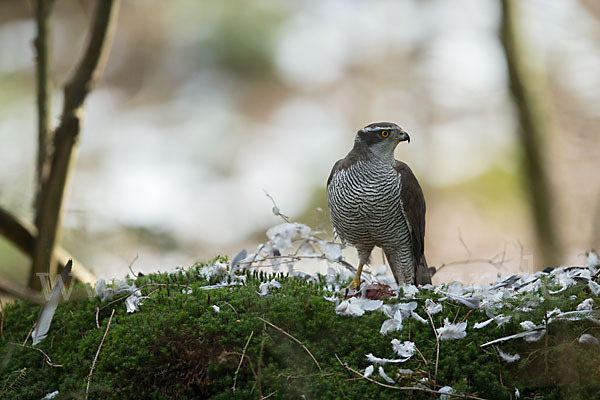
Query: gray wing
414	209
339	165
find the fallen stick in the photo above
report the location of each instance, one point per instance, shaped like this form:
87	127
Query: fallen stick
294	339
87	389
464	396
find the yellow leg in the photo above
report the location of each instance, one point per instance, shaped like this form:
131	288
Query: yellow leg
355	284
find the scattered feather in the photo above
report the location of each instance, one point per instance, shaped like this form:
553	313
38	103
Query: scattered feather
592	261
528	325
237	259
468	301
333	298
265	287
104	292
479	325
418	317
445	391
392	324
219	285
588	339
407	308
47	311
356	306
452	331
281	236
409	290
534	336
331	251
367	304
348	309
382	361
507	282
509	358
50	396
381	270
432	307
530	335
404	349
594	287
132	303
385	376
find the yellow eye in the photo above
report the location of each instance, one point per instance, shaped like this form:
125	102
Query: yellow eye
385	133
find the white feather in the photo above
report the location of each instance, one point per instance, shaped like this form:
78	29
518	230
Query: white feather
47	312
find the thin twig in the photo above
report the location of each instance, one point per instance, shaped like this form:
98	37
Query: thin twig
267	396
463	243
287	259
437	346
2	322
87	389
490	261
241	360
29	333
18	377
97	312
46	357
237	317
467	316
131	265
294	339
421	389
288	377
499	365
546	343
456	315
276	210
422	357
143	287
260	360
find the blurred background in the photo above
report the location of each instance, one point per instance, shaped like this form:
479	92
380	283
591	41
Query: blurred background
205	105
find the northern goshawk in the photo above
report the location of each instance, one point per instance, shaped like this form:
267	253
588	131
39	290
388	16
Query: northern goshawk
375	200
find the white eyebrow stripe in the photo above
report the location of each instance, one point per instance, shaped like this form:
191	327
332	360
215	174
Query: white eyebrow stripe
377	128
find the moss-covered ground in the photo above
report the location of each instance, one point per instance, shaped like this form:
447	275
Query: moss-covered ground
178	346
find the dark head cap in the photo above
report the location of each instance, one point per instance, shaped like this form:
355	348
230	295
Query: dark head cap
382	131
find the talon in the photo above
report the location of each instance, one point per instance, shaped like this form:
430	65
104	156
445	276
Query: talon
355	284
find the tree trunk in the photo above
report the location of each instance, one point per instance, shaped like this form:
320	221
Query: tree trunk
532	126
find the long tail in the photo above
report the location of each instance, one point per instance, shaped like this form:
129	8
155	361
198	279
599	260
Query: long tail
422	276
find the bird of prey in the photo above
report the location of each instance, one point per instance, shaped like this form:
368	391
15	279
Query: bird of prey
375	200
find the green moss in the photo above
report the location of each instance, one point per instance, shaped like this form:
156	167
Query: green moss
177	346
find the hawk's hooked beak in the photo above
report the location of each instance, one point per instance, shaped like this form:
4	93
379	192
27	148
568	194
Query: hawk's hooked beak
404	137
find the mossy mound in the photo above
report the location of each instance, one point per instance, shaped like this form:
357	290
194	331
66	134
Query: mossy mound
178	346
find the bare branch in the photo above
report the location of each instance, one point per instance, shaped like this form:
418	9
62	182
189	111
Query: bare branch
420	389
87	389
46	357
437	345
294	339
44	85
241	360
528	97
75	92
22	235
276	210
